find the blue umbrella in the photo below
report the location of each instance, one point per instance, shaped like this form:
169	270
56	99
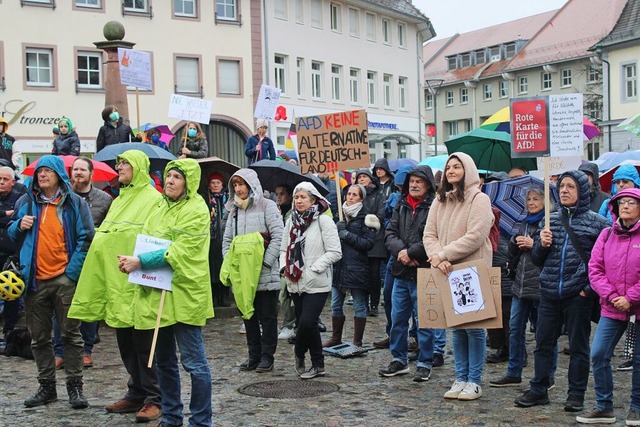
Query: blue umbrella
610	160
436	162
395	164
159	157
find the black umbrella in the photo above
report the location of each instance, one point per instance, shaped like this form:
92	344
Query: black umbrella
208	165
273	173
159	157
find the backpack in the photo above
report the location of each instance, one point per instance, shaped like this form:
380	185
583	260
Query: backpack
19	343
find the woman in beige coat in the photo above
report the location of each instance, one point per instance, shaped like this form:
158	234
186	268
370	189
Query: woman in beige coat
457	231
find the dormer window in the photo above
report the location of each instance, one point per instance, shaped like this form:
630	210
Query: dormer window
465	60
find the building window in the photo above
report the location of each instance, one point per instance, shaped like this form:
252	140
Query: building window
566	77
48	3
523	85
354	22
402	92
481	56
370	23
336	17
593	75
336	83
371	87
39	67
487	91
448	96
354	85
510	50
452	128
546	81
593	109
136	6
428	101
299	10
464	95
504	89
227	10
300	77
280	9
465	60
280	67
316	80
386	90
229	77
630	81
316	13
94	4
187	75
494	54
185	8
386	34
452	63
466	125
402	35
89	68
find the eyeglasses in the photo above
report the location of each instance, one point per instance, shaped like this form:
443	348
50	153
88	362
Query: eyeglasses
631	203
122	163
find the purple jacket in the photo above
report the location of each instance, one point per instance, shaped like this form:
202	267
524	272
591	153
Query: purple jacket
614	268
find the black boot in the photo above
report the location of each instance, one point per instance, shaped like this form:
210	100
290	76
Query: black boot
76	397
45	394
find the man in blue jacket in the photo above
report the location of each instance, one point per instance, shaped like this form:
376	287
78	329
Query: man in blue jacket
565	293
57	229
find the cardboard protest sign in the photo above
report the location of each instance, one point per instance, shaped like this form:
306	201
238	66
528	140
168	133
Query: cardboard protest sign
466	294
566	125
557	165
157	278
529	131
338	137
268	100
135	68
190	109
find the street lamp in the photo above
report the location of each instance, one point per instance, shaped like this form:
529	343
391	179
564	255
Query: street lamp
433	85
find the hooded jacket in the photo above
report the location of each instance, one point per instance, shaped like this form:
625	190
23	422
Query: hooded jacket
74	215
597	196
459	231
374	201
406	227
563	273
627	172
614	268
66	145
103	290
261	215
388	187
185	223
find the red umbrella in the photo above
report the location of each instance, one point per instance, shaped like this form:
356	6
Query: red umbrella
101	171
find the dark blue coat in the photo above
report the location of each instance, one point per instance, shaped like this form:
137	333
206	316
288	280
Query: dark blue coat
352	271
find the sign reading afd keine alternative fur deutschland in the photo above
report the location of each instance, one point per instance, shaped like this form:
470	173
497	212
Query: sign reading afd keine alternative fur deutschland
340	138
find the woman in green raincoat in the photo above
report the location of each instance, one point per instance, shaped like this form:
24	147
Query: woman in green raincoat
182	216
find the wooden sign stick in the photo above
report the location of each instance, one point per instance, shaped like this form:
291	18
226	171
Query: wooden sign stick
156	329
336	176
547	208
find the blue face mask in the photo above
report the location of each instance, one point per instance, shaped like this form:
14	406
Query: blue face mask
114	116
192	133
155	138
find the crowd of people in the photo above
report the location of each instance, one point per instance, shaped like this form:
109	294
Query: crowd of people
296	248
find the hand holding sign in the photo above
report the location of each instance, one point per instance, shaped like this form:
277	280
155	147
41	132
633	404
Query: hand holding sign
127	264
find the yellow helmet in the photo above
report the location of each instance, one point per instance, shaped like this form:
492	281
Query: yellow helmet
11	285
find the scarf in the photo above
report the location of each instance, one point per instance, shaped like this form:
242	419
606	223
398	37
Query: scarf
351	211
242	204
534	218
299	224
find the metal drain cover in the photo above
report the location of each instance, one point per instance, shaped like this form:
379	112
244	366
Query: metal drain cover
288	389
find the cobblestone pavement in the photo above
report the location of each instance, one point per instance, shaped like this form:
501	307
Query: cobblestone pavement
364	398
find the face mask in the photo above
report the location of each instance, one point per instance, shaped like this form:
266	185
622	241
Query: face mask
114	116
155	138
192	132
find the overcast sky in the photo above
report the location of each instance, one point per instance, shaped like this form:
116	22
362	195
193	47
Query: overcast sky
460	16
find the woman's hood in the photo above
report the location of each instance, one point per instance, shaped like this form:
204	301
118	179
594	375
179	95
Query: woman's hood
251	178
471	175
140	163
613	203
191	171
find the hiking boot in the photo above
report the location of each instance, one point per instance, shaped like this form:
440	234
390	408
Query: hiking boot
471	391
313	372
149	412
394	368
633	418
598	417
87	361
422	374
59	363
574	403
455	390
76	396
383	343
529	399
505	381
626	366
438	360
249	365
45	394
264	366
124	406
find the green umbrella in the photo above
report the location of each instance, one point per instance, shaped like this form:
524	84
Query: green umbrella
632	124
490	150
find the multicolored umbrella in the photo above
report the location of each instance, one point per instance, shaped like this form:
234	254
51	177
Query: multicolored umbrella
102	172
632	124
165	133
510	197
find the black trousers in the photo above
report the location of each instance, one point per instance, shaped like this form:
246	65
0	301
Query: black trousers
262	345
135	346
308	309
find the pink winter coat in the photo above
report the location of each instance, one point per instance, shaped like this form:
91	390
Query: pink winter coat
614	268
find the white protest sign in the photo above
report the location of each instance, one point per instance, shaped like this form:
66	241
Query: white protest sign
464	286
565	125
135	68
190	109
557	165
157	278
268	101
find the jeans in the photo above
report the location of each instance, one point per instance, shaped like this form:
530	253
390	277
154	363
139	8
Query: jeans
469	347
359	302
135	347
439	340
308	309
87	330
608	333
576	313
194	361
405	302
262	344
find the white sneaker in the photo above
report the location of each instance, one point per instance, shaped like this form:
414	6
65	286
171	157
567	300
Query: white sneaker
471	391
455	390
242	329
285	333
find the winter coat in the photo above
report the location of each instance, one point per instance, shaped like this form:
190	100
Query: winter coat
627	172
596	195
7	203
267	152
103	291
8	149
389	186
185	223
406	227
261	215
199	148
66	145
99	203
563	272
110	134
459	231
374	202
526	283
74	215
501	259
352	272
614	268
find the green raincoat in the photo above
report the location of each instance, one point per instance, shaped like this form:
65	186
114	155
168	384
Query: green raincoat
103	292
186	223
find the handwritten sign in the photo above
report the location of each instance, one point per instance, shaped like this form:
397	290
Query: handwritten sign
338	137
157	278
530	136
268	100
190	109
135	68
557	165
565	124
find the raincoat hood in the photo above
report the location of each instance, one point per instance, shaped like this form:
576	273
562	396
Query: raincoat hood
613	203
382	163
594	171
471	176
251	178
424	172
56	164
140	163
190	169
628	172
584	194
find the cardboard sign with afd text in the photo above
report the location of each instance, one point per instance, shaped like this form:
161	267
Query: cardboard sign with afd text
338	137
